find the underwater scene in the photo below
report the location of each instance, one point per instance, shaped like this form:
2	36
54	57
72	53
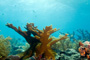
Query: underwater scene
44	29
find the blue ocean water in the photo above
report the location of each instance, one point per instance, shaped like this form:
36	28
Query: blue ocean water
68	15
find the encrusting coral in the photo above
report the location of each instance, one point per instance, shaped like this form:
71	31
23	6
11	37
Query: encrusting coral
4	47
40	42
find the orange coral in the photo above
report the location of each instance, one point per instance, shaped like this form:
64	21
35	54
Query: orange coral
40	43
84	50
29	38
45	46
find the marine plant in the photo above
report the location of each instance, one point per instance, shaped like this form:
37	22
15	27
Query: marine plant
40	42
4	47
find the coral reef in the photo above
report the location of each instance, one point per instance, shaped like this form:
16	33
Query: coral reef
85	50
73	40
79	34
62	45
26	47
70	54
40	42
16	46
45	46
30	39
4	47
84	35
66	44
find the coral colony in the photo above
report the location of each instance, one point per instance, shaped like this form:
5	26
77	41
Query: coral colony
41	45
85	49
40	42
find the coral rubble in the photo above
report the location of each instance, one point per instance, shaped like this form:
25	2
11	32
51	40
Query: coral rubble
40	42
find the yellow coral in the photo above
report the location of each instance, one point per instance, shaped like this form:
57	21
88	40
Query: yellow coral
4	47
45	46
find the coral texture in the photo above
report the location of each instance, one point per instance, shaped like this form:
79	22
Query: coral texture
40	42
62	45
73	40
16	46
69	54
27	35
4	47
85	49
45	46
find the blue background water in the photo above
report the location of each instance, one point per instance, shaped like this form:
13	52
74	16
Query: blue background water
68	15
